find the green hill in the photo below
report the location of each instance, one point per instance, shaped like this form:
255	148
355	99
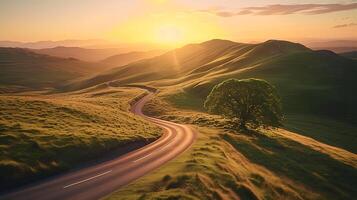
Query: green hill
126	58
43	135
89	55
313	84
192	59
350	54
23	68
318	82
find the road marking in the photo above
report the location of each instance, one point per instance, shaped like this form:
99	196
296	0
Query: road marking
142	157
153	152
163	147
93	177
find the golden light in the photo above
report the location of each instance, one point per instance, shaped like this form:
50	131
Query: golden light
167	30
158	1
169	34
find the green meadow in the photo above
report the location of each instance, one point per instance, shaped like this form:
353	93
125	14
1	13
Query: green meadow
42	135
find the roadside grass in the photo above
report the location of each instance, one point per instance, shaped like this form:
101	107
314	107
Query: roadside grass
185	100
41	135
262	164
212	169
314	169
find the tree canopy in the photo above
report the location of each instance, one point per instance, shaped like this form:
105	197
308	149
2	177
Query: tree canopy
248	101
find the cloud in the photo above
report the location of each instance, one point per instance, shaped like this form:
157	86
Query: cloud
286	9
345	25
225	14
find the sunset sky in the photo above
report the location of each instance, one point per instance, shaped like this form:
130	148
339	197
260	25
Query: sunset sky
177	22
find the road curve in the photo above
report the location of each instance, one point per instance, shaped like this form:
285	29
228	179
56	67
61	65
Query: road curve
102	179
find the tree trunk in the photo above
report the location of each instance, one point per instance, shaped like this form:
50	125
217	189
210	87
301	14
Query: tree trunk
243	126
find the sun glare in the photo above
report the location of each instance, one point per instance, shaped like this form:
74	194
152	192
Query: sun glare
167	30
169	34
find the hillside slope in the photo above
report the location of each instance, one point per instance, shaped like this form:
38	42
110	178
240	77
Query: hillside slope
195	59
311	81
228	164
90	55
20	67
313	84
43	135
126	58
350	54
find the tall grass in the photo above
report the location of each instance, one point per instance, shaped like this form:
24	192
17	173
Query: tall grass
42	135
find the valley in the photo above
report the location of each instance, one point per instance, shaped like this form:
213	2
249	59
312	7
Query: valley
51	124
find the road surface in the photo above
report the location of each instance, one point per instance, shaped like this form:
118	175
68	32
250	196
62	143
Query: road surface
102	179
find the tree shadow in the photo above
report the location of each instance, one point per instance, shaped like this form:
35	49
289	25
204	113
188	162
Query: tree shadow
318	171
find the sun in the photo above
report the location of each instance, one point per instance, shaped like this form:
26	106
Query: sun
166	30
169	34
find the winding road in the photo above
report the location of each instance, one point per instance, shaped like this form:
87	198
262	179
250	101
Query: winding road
102	179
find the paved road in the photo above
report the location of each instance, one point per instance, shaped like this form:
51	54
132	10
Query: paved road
100	180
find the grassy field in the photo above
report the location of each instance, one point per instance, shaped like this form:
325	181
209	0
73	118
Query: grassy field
22	68
310	82
317	88
327	130
224	164
211	169
41	135
38	132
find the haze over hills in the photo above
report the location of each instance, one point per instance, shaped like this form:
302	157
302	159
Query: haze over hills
337	46
338	49
52	44
90	55
36	69
96	44
332	43
126	58
21	67
351	54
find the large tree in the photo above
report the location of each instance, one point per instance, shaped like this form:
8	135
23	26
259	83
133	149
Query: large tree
248	101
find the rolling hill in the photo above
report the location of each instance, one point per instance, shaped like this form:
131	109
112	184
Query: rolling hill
318	94
351	54
23	68
337	46
126	58
218	56
52	44
90	55
313	84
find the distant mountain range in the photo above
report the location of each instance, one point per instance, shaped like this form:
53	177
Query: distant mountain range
52	44
126	58
337	46
86	44
41	68
90	55
21	67
110	56
351	54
